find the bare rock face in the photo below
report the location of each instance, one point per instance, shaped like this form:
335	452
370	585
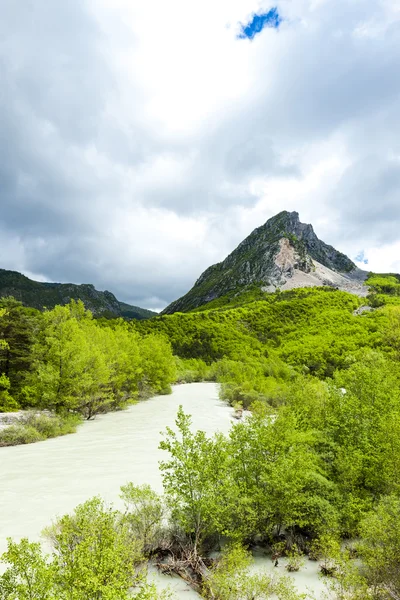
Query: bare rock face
283	253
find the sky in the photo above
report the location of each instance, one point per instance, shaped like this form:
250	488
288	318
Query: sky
141	141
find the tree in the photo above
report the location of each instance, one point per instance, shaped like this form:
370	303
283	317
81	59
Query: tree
29	576
144	514
72	371
121	345
391	328
158	364
279	479
95	555
195	479
231	580
17	332
380	547
7	402
363	425
61	354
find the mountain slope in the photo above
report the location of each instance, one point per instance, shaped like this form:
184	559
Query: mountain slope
283	253
47	295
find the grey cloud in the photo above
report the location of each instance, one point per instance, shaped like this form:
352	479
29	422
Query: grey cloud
368	197
59	101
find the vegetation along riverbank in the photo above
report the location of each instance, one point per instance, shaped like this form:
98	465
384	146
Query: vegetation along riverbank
322	471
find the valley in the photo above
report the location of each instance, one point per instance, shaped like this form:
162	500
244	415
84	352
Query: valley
286	329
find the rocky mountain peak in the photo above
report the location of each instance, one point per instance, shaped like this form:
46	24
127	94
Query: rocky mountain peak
283	253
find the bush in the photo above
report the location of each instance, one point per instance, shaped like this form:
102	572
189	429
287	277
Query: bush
193	370
19	434
7	402
51	425
37	427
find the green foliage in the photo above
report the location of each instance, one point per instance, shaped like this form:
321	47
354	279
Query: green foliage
380	548
29	575
312	330
7	402
17	329
94	555
252	380
48	295
144	512
232	579
193	479
19	434
355	420
52	425
72	371
278	479
32	427
159	369
264	477
66	362
191	370
384	284
318	453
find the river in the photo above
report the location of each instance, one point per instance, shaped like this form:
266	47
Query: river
41	481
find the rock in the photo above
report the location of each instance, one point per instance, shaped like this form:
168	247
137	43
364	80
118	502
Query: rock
283	253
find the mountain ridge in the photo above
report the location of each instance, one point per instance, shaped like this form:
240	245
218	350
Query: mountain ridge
43	295
283	253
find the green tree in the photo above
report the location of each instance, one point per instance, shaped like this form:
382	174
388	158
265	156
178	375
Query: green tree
158	364
380	548
231	579
29	575
144	512
7	402
72	371
18	327
95	555
279	479
362	425
122	348
61	355
390	328
194	479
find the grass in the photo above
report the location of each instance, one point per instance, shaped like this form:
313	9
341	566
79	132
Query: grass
35	427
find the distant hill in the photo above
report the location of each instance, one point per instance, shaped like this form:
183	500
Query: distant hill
281	254
47	295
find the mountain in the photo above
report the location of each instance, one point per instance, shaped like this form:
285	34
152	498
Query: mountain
47	295
283	253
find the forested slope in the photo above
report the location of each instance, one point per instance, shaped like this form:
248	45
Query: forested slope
315	465
65	362
39	295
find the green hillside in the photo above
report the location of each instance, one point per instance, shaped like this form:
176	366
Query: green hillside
313	466
48	295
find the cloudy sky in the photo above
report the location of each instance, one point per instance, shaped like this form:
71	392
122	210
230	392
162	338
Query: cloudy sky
141	141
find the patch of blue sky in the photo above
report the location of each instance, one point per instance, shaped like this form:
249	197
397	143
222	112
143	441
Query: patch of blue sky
259	22
361	258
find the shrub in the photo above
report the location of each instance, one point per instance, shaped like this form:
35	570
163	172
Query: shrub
37	427
51	425
193	370
19	434
7	402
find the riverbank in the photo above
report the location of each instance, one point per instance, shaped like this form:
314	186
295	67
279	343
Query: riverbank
27	427
42	481
55	476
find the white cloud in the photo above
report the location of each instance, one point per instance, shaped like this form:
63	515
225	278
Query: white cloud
142	141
